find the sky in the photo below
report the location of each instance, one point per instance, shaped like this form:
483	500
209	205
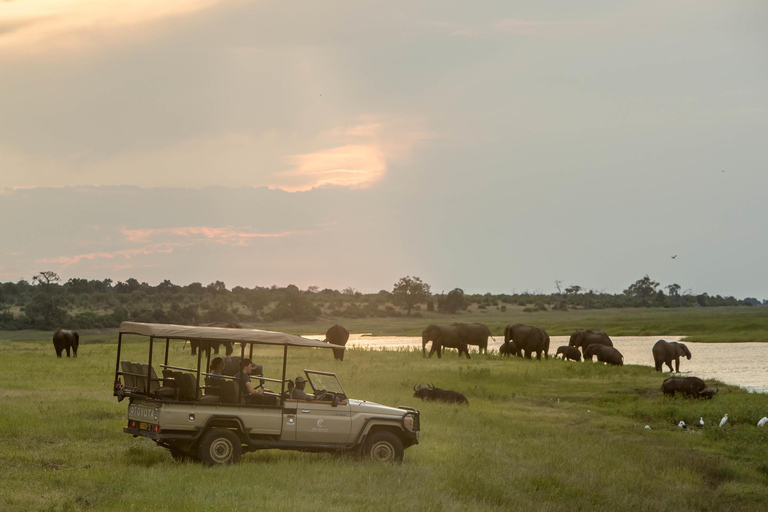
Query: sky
491	146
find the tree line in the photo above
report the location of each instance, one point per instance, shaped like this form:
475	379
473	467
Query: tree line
47	303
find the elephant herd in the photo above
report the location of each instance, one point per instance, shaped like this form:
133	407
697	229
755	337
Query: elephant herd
526	340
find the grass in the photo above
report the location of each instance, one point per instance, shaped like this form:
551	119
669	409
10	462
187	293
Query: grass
537	435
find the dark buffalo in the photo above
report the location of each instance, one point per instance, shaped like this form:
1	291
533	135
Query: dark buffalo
65	340
687	386
337	335
708	393
431	393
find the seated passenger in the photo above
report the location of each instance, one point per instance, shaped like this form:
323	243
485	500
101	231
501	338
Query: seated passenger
217	366
255	394
298	391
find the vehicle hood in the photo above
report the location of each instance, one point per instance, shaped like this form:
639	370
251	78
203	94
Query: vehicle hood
374	408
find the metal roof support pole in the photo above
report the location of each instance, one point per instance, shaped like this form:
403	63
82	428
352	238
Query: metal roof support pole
242	350
167	343
208	360
149	366
282	385
119	346
200	358
250	353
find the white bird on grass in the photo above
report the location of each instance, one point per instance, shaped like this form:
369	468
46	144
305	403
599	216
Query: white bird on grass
724	420
647	427
762	422
681	424
701	421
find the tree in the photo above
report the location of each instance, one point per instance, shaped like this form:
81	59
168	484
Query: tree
674	289
46	277
642	289
452	302
408	292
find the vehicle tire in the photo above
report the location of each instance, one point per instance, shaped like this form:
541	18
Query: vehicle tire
219	446
383	446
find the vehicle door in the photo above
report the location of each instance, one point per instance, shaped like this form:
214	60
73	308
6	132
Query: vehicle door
321	421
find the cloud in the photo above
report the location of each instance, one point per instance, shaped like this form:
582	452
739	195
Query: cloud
226	235
66	261
528	27
42	25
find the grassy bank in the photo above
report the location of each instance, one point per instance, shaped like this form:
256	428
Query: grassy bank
716	325
536	436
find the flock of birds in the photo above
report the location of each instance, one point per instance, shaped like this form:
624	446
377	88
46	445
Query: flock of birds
723	421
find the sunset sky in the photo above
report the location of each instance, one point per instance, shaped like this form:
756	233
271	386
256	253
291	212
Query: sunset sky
491	146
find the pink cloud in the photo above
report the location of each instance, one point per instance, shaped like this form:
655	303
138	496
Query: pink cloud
225	235
353	166
66	261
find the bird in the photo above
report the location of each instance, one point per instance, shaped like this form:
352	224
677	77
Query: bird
681	424
701	421
762	422
647	427
724	420
675	256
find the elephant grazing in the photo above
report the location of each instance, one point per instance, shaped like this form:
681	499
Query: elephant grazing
583	339
665	351
337	335
571	353
604	354
207	345
476	334
508	348
687	386
65	340
443	337
527	339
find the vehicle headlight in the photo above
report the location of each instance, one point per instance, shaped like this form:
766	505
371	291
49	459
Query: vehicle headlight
408	422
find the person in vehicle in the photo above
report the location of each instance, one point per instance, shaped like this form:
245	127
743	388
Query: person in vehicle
255	394
298	391
217	366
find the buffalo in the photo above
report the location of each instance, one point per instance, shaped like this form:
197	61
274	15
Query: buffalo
431	393
687	386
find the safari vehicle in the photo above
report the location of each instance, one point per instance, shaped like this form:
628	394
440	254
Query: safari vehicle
213	422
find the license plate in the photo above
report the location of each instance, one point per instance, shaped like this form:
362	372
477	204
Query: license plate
144	426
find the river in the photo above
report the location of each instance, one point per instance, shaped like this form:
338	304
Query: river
741	364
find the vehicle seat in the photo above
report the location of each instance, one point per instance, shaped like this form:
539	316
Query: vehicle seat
141	382
213	385
289	387
188	388
230	392
128	380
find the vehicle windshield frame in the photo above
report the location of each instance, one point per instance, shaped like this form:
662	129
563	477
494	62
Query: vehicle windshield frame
324	380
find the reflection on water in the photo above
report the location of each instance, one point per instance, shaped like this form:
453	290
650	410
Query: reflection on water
742	364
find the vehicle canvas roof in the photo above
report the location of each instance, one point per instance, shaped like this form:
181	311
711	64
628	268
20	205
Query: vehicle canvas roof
189	332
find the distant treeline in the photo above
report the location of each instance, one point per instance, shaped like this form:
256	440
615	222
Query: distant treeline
45	303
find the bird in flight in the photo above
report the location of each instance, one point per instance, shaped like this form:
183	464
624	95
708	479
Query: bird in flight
675	256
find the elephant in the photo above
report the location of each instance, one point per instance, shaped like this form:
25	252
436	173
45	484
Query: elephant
687	386
604	354
528	339
665	351
337	335
582	339
508	348
66	340
442	337
569	353
207	345
476	334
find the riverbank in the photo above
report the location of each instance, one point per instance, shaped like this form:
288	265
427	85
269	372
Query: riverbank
537	435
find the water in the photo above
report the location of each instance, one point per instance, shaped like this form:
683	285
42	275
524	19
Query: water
741	364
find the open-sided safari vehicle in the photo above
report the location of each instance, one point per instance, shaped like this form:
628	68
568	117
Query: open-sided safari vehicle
214	422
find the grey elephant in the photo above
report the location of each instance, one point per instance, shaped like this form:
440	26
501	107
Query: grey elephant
604	354
442	337
568	352
528	339
583	339
337	335
666	351
476	334
508	348
66	340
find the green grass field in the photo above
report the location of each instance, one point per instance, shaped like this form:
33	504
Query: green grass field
547	435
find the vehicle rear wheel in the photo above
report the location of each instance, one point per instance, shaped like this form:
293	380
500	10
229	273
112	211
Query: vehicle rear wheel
383	446
220	446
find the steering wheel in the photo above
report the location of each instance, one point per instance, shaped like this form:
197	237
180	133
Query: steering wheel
321	395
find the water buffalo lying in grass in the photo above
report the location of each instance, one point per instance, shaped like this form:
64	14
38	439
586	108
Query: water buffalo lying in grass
604	354
65	340
687	386
569	353
431	393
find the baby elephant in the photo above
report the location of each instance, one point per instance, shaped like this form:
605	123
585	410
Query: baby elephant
604	354
569	353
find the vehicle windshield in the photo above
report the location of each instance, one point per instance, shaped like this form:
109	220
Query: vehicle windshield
323	380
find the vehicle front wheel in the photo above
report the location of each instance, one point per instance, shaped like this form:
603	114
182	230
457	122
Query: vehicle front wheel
220	446
383	446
